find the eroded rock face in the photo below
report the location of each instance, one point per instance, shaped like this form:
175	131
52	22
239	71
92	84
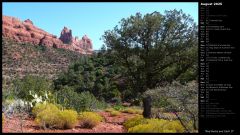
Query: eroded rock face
84	45
25	31
28	21
66	36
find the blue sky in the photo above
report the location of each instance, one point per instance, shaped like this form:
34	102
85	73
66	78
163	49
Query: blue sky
91	19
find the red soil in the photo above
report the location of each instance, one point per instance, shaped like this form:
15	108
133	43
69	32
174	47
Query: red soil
111	125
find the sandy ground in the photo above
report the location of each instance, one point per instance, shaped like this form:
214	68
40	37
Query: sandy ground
110	125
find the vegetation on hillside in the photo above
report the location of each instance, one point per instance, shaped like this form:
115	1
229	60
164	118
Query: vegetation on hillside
20	59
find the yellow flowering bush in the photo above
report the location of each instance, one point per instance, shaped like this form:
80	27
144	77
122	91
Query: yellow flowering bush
158	126
132	111
50	116
139	124
2	118
134	121
89	119
115	113
39	107
69	119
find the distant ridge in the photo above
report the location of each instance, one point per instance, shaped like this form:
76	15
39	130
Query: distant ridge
26	32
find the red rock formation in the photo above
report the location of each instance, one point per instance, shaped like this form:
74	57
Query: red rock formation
23	31
26	32
66	36
28	21
84	44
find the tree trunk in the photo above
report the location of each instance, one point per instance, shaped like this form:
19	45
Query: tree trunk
147	104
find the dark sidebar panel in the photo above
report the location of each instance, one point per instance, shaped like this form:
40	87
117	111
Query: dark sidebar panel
218	67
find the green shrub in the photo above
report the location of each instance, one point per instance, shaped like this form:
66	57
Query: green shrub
8	93
89	102
89	119
91	74
69	118
109	110
84	101
158	126
157	113
184	101
116	97
118	107
115	113
68	98
35	84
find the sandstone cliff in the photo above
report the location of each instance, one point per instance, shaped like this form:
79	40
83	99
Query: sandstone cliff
25	31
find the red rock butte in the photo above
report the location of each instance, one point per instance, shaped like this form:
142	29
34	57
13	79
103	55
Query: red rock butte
26	32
